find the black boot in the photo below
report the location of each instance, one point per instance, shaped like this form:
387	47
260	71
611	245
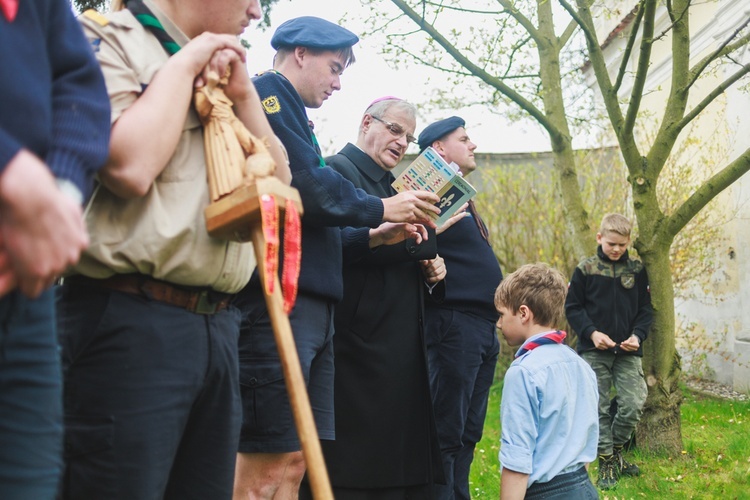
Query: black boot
625	467
608	472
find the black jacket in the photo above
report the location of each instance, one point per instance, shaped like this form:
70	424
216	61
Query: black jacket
611	297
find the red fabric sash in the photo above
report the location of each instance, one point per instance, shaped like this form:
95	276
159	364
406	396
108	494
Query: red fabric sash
556	337
10	9
292	248
292	255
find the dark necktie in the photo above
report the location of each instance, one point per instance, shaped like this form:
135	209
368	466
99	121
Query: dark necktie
479	222
556	337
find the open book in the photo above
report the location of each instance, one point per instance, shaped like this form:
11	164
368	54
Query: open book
430	172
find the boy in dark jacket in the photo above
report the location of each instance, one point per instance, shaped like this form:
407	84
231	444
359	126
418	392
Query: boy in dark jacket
609	307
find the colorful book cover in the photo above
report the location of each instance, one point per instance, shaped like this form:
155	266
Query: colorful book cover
430	172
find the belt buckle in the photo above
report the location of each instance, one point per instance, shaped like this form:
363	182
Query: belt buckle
205	305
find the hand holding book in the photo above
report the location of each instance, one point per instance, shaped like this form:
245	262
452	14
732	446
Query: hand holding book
429	172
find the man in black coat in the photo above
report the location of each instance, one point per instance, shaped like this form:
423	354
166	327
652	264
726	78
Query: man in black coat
386	445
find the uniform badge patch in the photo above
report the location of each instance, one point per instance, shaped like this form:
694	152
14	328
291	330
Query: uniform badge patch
271	105
627	280
95	43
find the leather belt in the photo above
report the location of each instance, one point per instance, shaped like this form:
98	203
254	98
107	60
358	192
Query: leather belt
193	299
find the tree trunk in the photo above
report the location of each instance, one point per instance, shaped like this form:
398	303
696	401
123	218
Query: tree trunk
660	426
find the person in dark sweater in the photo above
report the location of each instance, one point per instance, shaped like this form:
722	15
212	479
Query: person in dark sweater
54	134
462	344
311	56
609	307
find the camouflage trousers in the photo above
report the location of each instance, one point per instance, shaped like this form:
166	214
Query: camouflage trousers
625	373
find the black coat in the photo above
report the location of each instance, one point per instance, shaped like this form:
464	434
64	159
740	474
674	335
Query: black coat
611	297
385	430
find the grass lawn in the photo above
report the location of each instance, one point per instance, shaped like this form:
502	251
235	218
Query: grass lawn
714	463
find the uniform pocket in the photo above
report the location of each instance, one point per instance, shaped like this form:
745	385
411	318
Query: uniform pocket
265	403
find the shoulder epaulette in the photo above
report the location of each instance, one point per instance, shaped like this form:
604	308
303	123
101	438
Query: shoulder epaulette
96	17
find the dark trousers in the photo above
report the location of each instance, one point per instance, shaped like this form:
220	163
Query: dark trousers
30	399
462	352
151	398
267	417
571	486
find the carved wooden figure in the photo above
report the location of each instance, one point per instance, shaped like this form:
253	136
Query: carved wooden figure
234	156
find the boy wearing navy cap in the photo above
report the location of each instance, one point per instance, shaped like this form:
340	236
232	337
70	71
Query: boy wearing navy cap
462	345
312	54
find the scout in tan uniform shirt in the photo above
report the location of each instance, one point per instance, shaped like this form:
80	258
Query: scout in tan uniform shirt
149	341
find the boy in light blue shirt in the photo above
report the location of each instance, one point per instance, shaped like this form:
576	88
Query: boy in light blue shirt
549	403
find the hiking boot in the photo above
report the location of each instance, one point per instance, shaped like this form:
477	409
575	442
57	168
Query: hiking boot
608	473
625	468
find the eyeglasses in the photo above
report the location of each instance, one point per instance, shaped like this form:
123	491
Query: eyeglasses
396	130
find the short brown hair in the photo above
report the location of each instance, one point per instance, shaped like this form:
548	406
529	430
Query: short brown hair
539	287
615	223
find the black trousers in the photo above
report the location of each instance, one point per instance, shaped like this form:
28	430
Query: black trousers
462	351
151	397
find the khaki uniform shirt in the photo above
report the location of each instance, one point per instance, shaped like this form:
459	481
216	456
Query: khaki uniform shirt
162	234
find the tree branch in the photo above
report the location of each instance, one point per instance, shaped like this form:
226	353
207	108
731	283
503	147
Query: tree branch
567	33
512	55
674	111
641	72
583	17
588	31
524	21
720	89
724	49
525	104
629	48
461	9
705	193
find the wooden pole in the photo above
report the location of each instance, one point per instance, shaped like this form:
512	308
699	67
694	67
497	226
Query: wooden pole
295	382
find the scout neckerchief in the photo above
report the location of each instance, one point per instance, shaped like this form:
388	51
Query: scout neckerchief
269	211
316	144
555	337
149	21
9	8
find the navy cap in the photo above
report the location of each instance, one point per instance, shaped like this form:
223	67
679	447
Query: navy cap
439	129
313	32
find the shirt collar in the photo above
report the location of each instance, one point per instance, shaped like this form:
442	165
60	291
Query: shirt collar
365	163
172	30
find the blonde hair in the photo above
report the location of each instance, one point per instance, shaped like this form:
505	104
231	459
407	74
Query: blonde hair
539	287
116	5
615	223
